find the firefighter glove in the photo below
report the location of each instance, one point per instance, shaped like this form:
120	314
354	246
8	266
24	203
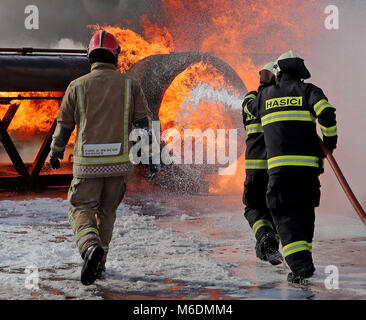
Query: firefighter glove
154	170
330	143
54	159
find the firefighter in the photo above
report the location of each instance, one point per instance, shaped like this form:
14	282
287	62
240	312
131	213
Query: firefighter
288	113
103	105
255	186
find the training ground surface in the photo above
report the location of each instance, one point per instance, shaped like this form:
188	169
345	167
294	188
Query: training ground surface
168	246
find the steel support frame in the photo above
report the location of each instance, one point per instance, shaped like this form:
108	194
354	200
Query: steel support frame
29	178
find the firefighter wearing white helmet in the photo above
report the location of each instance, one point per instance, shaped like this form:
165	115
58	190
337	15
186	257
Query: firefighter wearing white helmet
288	113
255	186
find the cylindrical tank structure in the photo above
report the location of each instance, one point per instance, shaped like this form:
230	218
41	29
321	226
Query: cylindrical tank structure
43	70
24	73
157	72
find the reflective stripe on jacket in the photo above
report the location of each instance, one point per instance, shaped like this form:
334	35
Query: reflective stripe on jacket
255	153
288	113
102	105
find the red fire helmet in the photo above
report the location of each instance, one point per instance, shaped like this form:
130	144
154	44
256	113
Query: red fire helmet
104	40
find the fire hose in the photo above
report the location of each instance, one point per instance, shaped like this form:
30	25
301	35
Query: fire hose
343	182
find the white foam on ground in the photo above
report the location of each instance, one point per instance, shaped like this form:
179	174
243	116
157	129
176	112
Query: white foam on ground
150	255
37	233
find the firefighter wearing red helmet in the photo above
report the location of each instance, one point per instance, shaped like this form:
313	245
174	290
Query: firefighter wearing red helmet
104	44
104	105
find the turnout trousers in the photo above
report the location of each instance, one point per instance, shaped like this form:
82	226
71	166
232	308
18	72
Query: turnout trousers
254	198
292	199
92	213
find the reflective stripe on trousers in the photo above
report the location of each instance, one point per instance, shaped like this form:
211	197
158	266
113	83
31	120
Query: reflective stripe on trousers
85	231
296	246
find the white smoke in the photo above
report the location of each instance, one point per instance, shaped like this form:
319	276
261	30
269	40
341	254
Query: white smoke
337	64
66	43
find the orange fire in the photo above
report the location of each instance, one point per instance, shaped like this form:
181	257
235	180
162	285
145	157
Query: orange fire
229	184
205	115
179	111
135	47
235	31
33	116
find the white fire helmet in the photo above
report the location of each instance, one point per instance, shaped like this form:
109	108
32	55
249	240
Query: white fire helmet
291	61
270	66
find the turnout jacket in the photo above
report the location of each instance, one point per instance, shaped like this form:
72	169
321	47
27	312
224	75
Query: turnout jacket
255	153
288	113
103	105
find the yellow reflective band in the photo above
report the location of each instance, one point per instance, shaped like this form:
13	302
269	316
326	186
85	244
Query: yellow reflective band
329	132
105	248
86	231
255	164
297	246
82	119
250	116
321	105
261	223
293	160
287	116
254	128
284	102
126	115
250	96
102	160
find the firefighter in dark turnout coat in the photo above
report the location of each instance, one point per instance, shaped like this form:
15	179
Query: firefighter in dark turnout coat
255	186
288	113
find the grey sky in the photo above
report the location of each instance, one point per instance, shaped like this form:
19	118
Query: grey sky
68	19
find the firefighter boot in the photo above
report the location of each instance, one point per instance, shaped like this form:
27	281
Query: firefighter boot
259	252
267	249
101	273
301	276
92	257
101	268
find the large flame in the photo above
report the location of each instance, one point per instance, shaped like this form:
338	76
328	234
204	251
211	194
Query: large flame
176	111
238	31
135	47
235	31
32	116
